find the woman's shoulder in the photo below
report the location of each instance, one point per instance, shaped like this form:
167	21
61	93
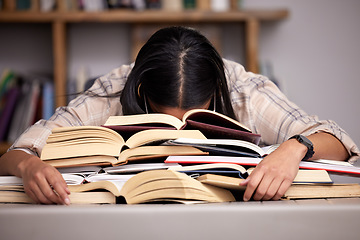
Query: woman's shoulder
122	72
119	74
246	83
236	72
116	78
237	76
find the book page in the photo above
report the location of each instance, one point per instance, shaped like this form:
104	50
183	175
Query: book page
138	167
109	177
53	151
147	151
163	184
81	133
223	146
113	186
82	161
222	181
138	119
156	135
229	166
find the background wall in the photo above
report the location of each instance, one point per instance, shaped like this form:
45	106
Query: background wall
316	57
315	53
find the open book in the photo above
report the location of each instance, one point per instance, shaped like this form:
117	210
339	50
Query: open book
71	146
225	147
159	186
211	124
145	187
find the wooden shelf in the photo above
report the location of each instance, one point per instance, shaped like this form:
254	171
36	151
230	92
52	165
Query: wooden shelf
150	16
59	19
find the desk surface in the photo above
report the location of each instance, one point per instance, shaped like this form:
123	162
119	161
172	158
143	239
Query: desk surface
301	219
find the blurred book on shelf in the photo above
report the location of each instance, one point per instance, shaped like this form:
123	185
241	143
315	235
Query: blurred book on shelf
109	5
24	100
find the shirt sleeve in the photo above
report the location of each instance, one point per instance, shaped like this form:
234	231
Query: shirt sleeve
260	105
85	109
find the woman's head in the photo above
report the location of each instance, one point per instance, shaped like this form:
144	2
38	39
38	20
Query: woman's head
176	68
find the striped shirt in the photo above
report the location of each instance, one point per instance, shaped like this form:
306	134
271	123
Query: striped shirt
257	103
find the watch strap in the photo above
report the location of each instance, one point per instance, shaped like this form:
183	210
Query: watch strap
307	143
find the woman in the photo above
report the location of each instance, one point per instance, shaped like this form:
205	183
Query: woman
177	70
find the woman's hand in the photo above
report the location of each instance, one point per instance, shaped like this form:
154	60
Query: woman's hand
275	173
42	182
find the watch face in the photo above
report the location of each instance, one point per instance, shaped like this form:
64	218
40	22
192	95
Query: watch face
305	140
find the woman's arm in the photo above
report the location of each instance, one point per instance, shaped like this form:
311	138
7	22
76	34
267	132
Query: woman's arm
262	107
42	182
276	172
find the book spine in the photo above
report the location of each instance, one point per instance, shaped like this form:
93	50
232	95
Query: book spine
23	5
9	5
48	100
7	112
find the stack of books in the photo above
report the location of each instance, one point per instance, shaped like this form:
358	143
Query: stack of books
158	158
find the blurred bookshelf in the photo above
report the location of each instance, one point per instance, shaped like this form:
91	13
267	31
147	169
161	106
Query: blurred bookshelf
58	16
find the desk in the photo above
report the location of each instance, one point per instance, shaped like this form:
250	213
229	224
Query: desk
302	219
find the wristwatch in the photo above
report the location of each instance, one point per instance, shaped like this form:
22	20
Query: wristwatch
307	143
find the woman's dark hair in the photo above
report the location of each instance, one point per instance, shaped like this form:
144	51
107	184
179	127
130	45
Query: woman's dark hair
177	67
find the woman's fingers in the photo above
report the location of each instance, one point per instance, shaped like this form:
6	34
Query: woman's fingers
54	187
49	193
59	187
262	191
267	182
34	192
282	189
44	184
31	194
252	183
